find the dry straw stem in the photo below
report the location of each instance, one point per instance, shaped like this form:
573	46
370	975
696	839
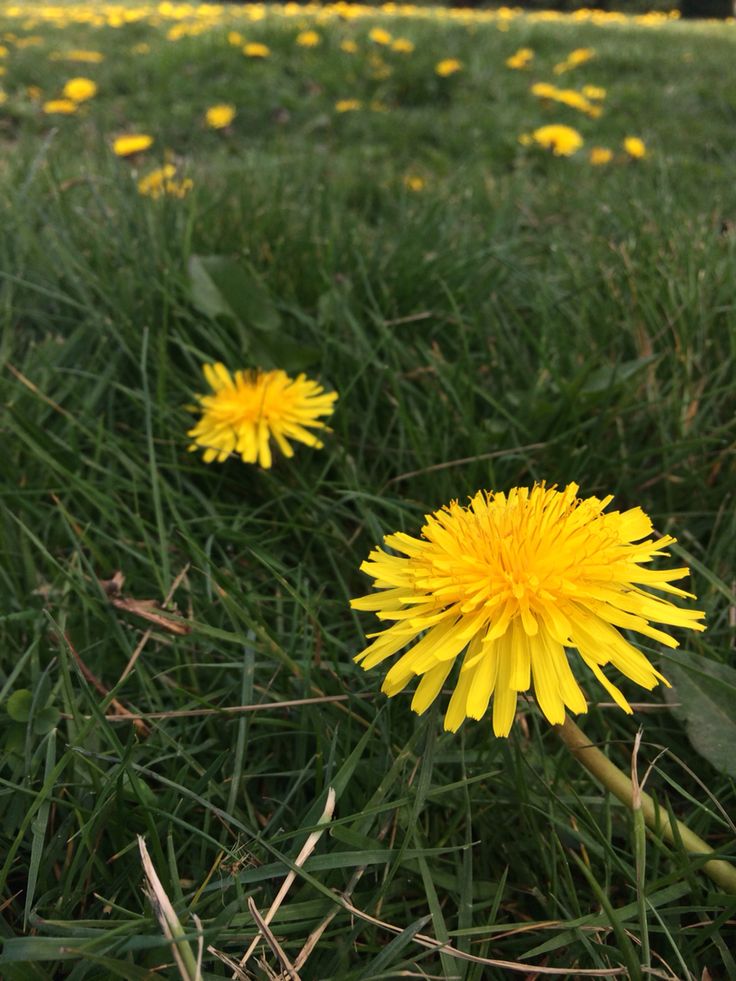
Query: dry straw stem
189	967
309	845
621	786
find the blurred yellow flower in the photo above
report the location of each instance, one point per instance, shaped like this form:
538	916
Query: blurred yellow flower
220	116
161	182
403	45
3	97
448	66
563	141
521	59
600	155
90	57
350	47
64	107
80	89
508	583
254	49
635	147
577	57
594	92
379	36
249	408
235	38
141	48
348	105
126	146
308	39
414	182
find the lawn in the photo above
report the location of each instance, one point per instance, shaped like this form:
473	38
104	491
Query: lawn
496	305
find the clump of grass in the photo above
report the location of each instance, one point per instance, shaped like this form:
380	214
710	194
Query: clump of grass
520	317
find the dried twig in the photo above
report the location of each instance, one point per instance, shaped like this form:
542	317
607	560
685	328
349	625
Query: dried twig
272	942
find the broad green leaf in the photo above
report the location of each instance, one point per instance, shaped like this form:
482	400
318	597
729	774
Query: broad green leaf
45	720
223	287
703	697
19	705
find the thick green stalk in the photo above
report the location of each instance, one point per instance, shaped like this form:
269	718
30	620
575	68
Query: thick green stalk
620	785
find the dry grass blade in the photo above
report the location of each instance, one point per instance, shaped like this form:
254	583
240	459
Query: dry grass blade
272	941
309	845
168	920
446	948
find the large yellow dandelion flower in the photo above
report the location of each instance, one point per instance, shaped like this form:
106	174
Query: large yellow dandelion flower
512	580
247	408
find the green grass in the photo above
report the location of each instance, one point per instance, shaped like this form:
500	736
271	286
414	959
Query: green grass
522	318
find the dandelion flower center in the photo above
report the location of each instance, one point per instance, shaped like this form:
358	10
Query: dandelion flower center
511	581
248	408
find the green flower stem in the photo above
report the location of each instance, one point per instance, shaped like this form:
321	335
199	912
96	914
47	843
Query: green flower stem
721	872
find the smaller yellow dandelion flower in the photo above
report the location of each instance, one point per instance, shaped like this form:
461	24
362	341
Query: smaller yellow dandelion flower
62	107
379	36
526	139
448	66
308	39
403	45
220	116
161	182
594	92
235	38
544	90
88	57
635	147
34	92
80	89
3	51
414	182
141	49
126	146
348	46
577	57
249	408
563	141
521	59
600	155
254	49
348	105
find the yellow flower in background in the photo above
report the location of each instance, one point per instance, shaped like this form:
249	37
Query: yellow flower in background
162	182
594	92
414	182
249	408
563	141
600	155
521	59
3	51
348	46
62	107
448	66
3	97
577	57
141	49
308	39
80	89
544	90
88	57
126	146
220	116
235	38
254	49
635	147
403	45
379	36
512	580
348	105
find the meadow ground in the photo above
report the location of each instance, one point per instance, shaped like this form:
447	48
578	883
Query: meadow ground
492	314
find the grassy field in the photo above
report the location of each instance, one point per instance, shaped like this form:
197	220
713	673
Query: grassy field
491	314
